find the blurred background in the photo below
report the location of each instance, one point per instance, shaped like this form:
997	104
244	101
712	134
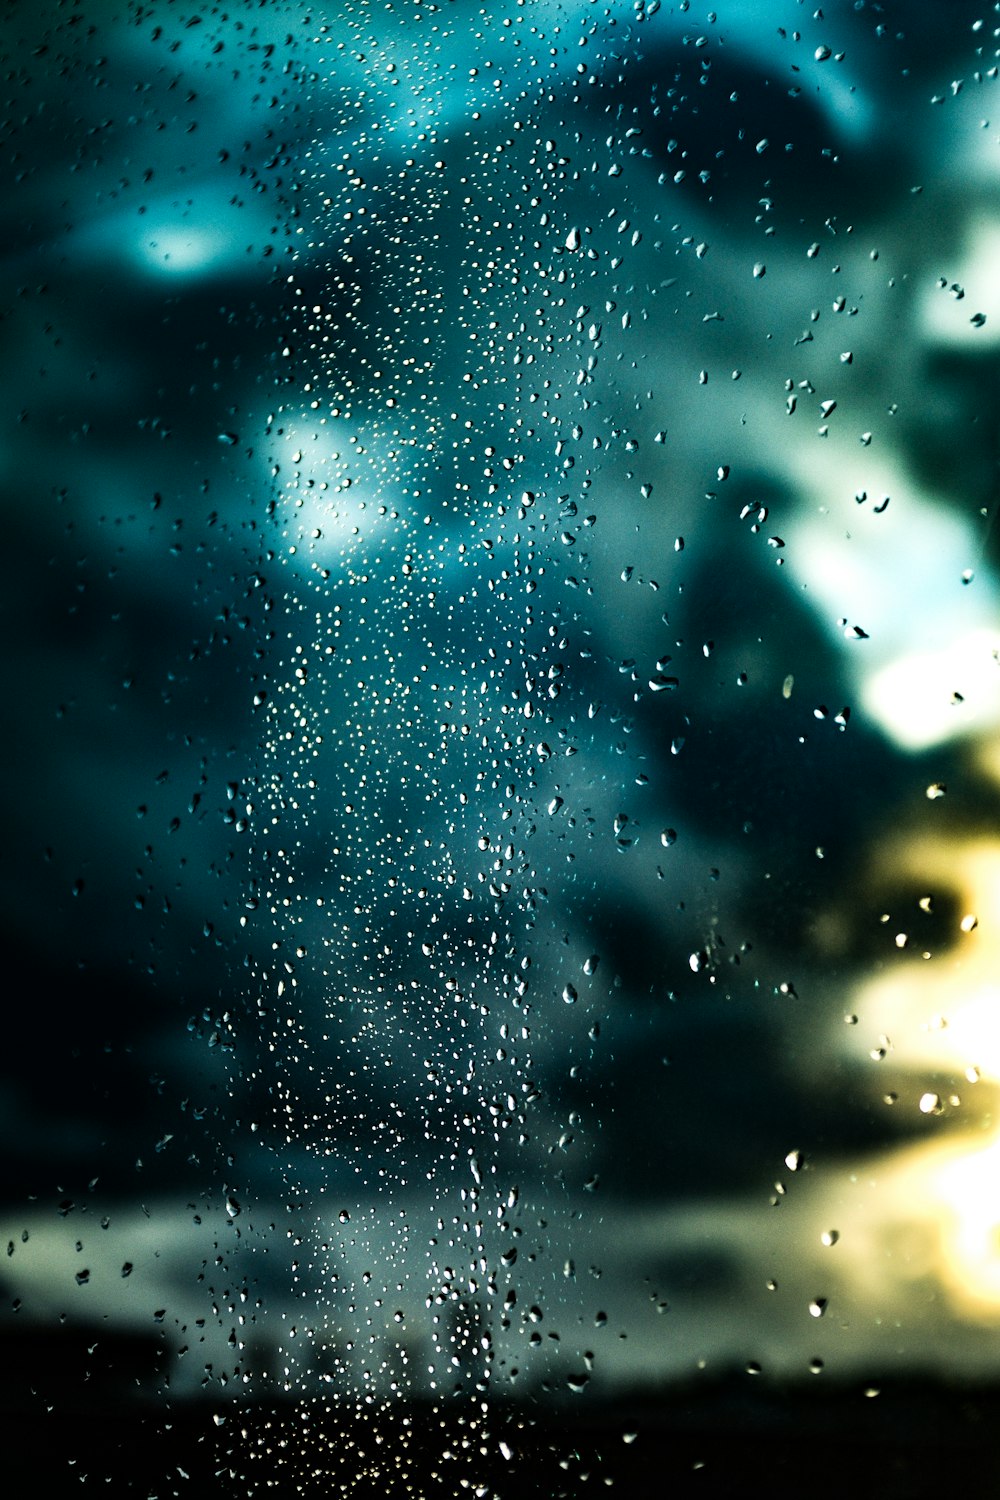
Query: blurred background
503	753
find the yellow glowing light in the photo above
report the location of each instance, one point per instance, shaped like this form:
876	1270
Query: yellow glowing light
966	1185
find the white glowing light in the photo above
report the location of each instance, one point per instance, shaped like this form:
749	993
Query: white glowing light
928	696
912	577
951	312
181	251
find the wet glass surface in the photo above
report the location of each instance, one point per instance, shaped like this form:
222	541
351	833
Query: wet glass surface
503	745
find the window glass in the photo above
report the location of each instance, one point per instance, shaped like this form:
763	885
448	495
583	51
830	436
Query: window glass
503	743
